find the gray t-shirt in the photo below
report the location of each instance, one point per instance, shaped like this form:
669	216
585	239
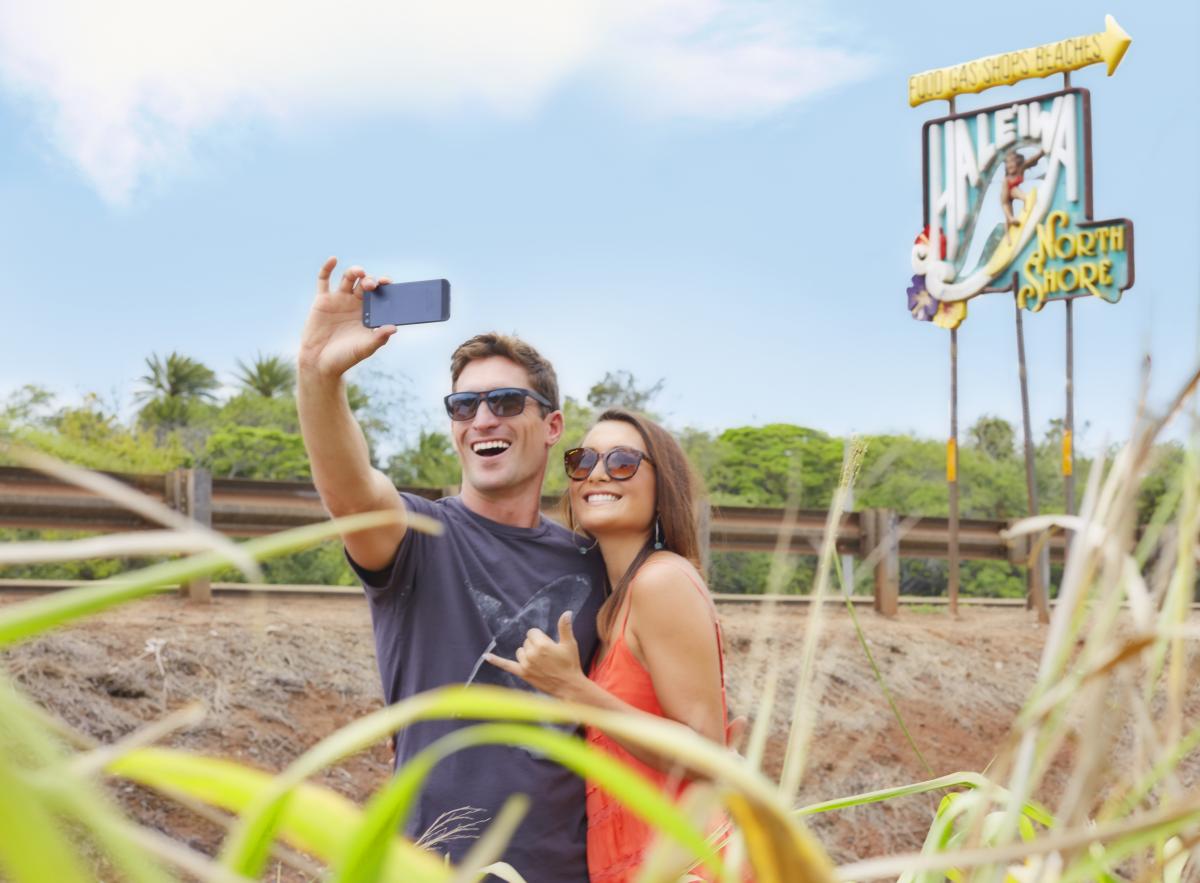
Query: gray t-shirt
447	600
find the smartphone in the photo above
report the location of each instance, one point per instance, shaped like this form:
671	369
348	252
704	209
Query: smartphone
407	303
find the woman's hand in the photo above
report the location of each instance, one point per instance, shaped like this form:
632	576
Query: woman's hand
548	665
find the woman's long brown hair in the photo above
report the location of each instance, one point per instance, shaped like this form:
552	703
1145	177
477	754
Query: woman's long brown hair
676	490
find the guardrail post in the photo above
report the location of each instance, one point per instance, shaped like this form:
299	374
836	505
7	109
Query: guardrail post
867	536
881	540
848	558
190	491
1018	547
704	529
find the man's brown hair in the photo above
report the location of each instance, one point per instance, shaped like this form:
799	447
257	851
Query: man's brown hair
541	373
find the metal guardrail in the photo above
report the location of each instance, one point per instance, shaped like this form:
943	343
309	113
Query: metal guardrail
239	507
243	508
834	598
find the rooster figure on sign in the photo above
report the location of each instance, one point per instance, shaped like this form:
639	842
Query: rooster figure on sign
923	306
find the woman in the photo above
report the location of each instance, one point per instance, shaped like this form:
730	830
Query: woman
660	645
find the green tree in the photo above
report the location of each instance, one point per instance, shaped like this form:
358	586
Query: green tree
908	475
991	579
903	473
994	437
776	464
178	377
256	452
991	486
268	376
1048	469
381	403
251	409
431	462
175	391
1164	477
747	573
703	451
26	406
619	389
90	435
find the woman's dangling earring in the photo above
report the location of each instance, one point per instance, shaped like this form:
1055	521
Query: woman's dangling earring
583	550
658	539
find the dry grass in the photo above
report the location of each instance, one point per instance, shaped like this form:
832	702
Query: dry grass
282	676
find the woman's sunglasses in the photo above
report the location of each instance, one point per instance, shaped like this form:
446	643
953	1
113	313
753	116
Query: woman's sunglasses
508	401
621	464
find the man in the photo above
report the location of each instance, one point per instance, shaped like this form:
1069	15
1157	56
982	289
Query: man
438	604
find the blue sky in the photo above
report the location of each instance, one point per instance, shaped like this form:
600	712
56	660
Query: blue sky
723	195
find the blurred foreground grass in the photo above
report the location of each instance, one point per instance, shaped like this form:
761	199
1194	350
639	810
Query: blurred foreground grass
1109	702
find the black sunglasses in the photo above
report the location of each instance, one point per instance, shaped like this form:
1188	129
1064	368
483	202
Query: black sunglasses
508	401
621	464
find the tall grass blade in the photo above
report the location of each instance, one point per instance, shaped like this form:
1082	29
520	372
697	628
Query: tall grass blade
34	754
142	544
486	851
389	809
759	805
94	762
807	700
969	780
33	848
1119	839
503	871
879	679
143	505
20	621
315	819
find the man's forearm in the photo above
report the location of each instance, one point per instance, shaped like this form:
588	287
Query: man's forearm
337	448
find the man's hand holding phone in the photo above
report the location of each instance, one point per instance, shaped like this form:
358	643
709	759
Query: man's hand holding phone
349	323
334	339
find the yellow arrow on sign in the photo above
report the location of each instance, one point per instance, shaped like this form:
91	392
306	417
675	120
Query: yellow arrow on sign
1024	64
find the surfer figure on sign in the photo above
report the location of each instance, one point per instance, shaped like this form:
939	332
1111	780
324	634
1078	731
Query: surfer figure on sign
1015	167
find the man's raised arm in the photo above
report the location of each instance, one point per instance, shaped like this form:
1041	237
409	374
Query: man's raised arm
335	340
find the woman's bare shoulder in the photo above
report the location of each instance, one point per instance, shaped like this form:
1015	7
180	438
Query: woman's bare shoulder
667	578
671	609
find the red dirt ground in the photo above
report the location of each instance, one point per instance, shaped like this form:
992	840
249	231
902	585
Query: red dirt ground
278	675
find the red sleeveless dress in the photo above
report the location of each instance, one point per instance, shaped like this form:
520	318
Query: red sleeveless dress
616	838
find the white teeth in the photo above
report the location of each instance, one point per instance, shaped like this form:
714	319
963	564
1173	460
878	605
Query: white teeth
602	498
494	445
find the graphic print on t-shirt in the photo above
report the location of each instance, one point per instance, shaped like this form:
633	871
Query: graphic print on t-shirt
508	632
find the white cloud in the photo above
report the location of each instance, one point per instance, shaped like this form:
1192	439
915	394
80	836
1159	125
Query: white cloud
124	86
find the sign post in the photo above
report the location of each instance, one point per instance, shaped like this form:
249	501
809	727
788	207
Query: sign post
1039	570
952	476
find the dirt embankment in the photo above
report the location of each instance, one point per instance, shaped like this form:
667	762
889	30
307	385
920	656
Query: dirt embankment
278	675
